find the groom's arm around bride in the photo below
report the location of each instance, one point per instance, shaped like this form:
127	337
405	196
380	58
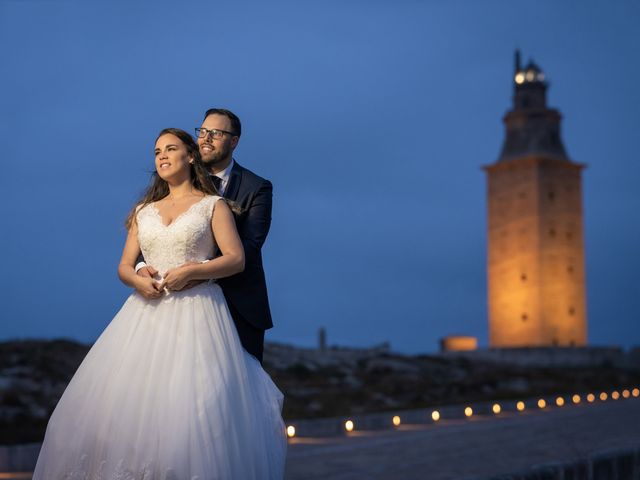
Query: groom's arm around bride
245	292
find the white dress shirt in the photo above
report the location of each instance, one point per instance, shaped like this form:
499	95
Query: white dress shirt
224	177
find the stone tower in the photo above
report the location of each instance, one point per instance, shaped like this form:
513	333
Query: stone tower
535	257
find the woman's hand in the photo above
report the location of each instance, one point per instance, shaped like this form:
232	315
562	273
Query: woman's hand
148	287
177	278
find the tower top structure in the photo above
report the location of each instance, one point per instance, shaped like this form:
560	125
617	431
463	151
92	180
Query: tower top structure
533	129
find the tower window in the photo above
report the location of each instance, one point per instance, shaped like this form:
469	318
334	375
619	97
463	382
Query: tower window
569	269
569	235
552	232
551	195
572	310
524	317
523	277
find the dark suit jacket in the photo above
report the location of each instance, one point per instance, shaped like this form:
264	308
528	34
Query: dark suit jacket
247	290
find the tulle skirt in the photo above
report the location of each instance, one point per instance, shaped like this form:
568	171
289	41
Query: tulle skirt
167	393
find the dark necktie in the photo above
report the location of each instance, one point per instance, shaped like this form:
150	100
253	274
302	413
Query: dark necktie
217	182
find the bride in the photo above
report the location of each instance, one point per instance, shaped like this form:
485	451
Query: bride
167	392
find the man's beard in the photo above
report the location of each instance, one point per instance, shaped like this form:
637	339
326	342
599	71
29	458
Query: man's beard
219	155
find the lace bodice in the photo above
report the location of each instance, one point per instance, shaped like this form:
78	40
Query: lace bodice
187	239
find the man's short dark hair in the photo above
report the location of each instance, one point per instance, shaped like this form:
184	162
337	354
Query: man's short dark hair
235	121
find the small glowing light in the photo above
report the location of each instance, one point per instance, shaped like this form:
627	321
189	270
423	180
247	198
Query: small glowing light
530	75
291	431
559	401
542	403
519	78
349	426
626	393
396	420
496	408
468	412
603	396
635	392
520	406
615	395
435	415
591	397
576	398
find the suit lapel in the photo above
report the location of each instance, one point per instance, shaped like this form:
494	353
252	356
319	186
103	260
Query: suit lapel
234	182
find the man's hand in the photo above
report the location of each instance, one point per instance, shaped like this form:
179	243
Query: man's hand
178	279
148	287
148	272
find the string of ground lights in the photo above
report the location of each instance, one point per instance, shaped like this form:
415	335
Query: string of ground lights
426	416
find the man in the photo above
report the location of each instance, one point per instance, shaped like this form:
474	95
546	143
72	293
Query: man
246	292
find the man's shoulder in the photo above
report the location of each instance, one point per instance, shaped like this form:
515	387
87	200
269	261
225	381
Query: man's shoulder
250	177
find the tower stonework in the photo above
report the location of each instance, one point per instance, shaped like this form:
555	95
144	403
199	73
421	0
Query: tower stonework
535	257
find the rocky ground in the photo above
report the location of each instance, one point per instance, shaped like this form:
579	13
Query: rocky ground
33	375
349	381
336	381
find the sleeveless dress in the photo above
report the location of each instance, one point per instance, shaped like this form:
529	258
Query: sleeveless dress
167	392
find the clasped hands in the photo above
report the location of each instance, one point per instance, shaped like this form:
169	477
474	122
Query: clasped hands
175	279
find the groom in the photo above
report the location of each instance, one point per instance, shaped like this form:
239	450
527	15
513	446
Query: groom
246	292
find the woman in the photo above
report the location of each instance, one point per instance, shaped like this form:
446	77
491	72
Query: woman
167	391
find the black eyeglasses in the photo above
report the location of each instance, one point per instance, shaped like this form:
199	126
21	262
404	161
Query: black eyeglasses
214	132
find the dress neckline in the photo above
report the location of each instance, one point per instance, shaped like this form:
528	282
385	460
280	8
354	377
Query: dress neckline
167	225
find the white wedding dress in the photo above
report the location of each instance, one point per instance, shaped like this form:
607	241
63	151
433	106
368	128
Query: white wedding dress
167	392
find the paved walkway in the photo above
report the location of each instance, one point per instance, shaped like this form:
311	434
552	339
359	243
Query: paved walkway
478	447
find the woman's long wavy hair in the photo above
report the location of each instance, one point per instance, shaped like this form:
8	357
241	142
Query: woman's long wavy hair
158	188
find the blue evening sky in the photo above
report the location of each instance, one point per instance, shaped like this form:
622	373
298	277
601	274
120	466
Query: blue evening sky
371	118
